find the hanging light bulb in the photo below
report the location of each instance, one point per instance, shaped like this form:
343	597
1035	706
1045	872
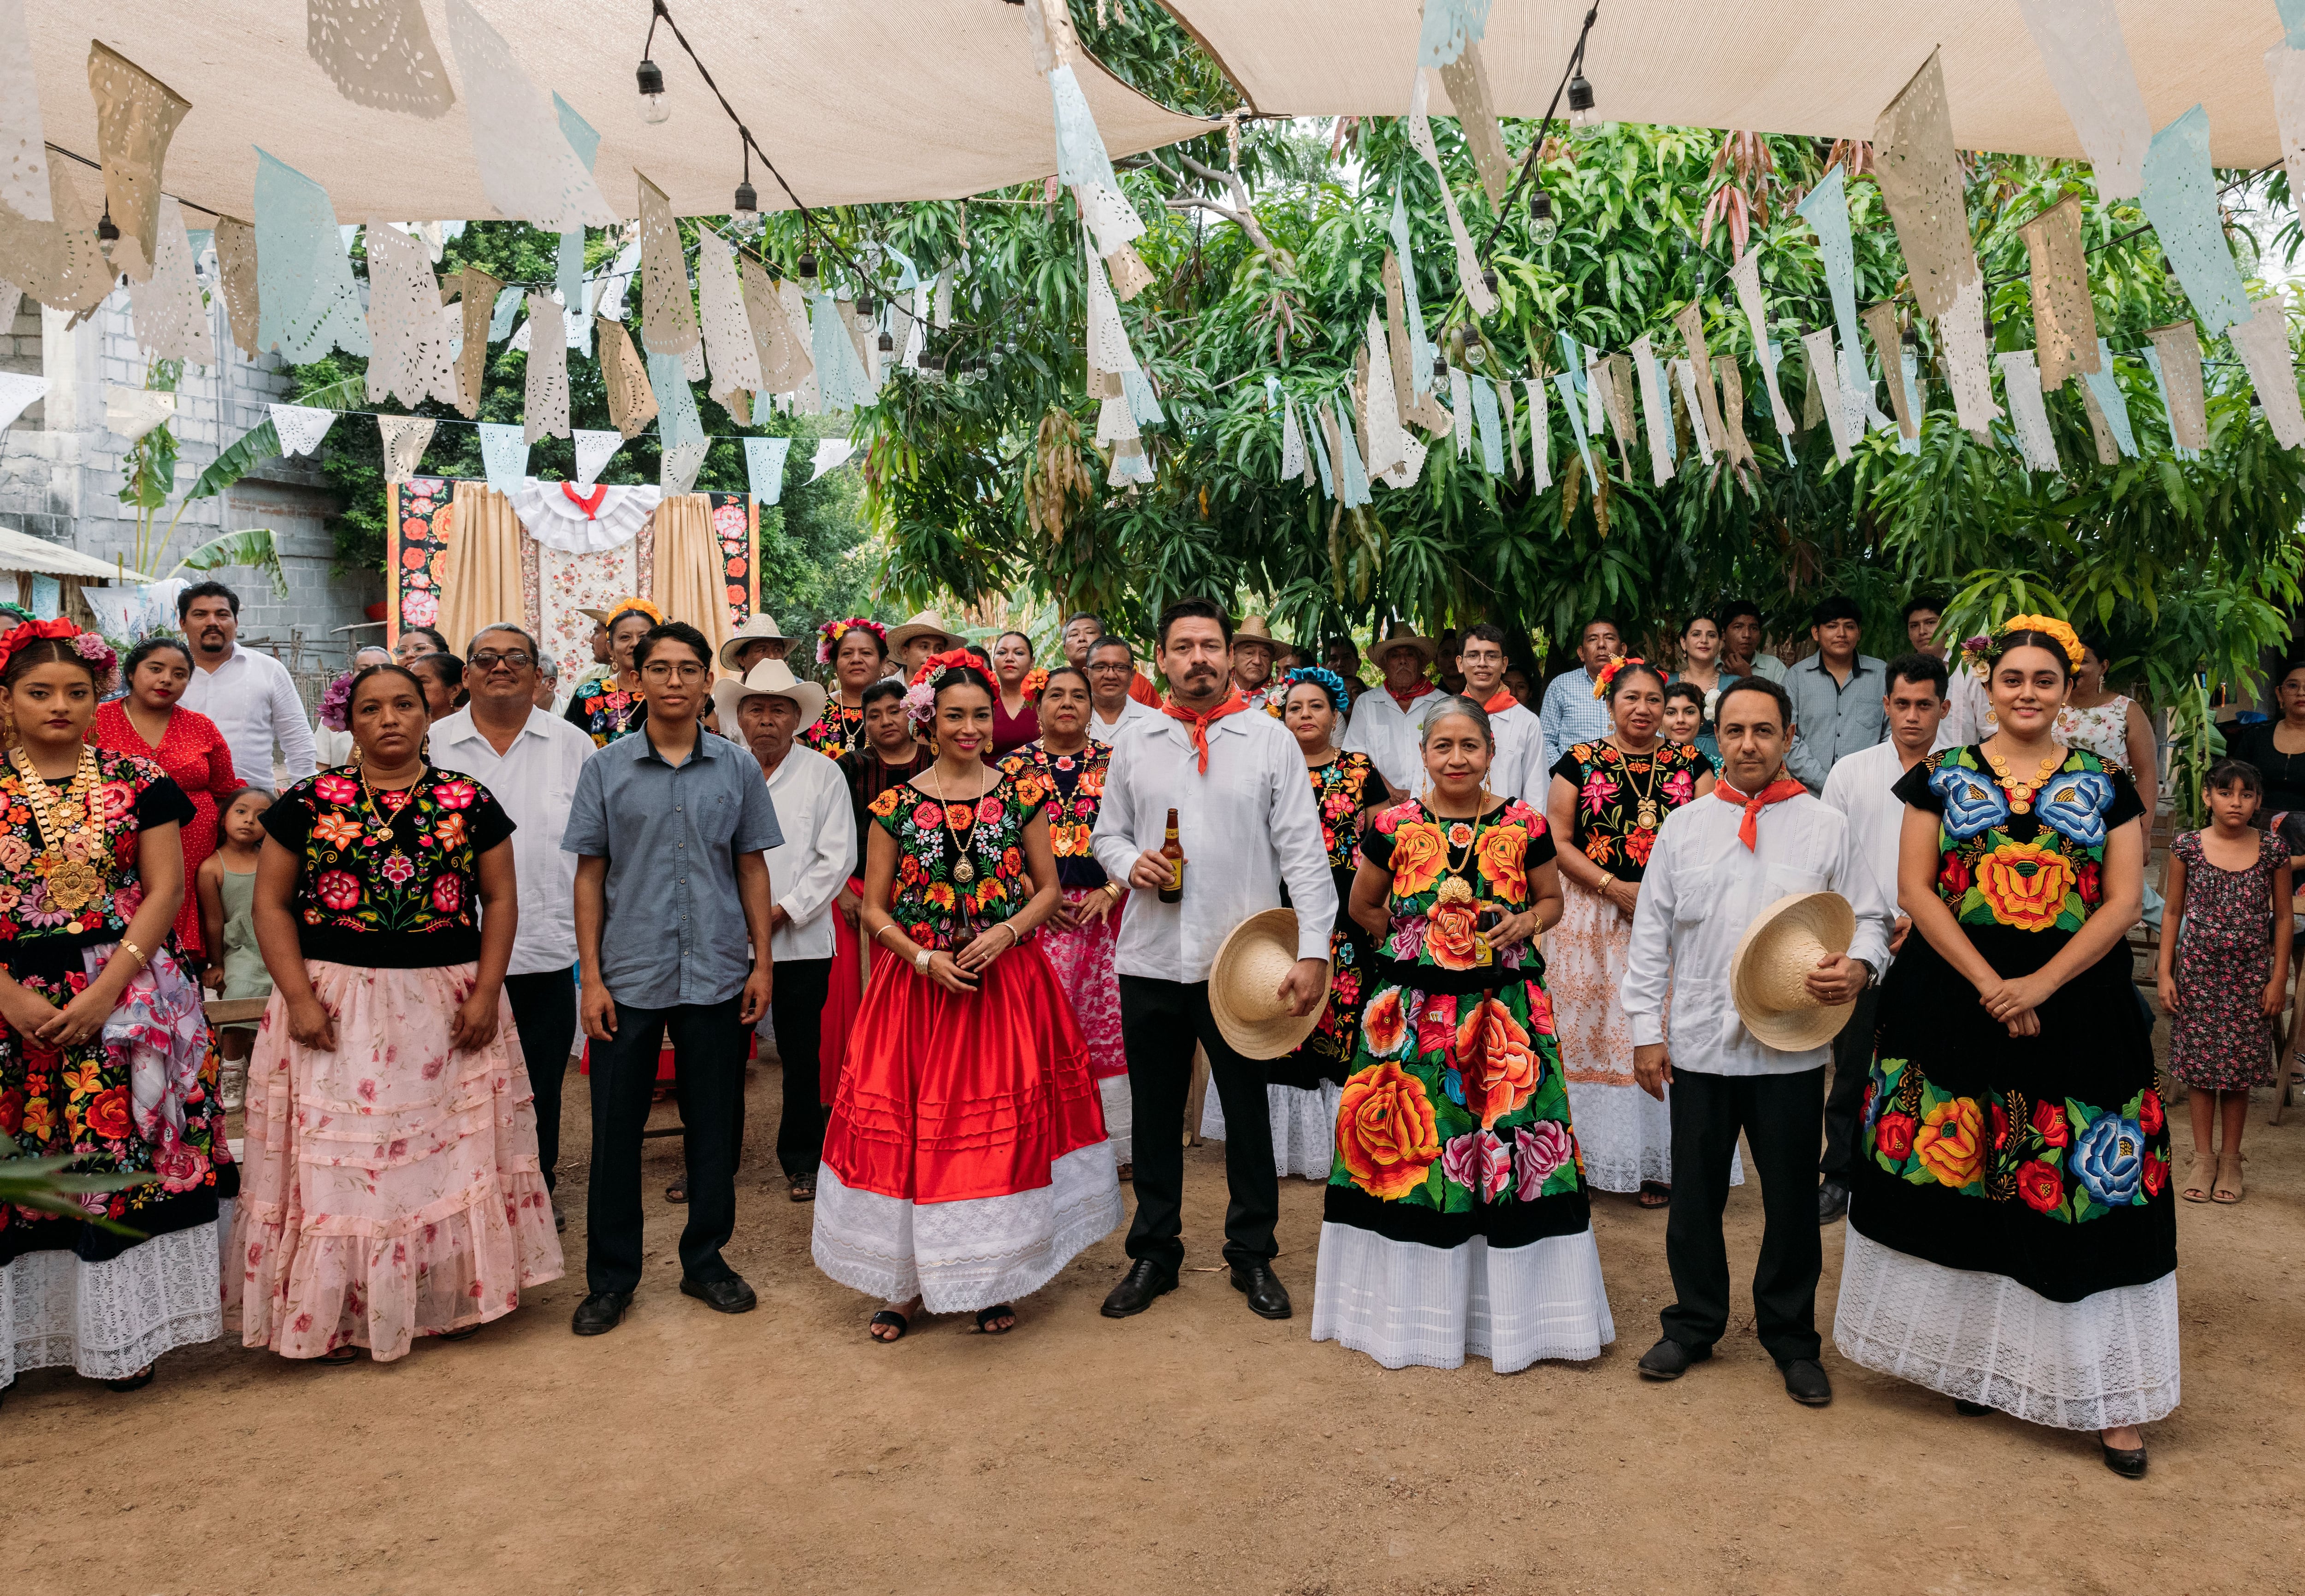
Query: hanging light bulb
887	345
1541	227
655	106
807	268
1489	280
867	306
745	214
1581	101
1440	367
107	230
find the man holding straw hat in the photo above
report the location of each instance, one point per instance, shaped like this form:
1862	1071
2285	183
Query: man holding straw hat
1763	923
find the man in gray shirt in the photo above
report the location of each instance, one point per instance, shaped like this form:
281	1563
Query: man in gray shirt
1837	695
669	828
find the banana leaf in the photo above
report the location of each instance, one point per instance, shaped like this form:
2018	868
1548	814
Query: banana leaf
42	1185
251	545
261	442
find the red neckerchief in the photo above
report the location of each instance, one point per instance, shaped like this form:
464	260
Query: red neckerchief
1422	688
589	503
1776	791
1232	705
1501	700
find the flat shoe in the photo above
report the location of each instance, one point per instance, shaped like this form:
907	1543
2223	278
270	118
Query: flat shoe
678	1192
134	1383
731	1296
1669	1360
804	1188
888	1316
985	1316
599	1312
2197	1185
2128	1461
2228	1189
1806	1382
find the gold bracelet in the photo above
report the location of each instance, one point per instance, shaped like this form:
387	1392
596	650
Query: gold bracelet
141	960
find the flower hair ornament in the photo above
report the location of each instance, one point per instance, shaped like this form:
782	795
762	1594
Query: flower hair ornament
828	635
335	703
1341	697
88	645
1609	672
633	603
1979	653
920	698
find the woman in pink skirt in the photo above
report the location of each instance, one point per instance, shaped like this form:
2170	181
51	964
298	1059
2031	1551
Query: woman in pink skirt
392	1186
1079	935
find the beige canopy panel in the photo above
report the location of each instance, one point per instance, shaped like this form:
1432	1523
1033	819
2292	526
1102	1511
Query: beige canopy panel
22	551
855	103
1821	67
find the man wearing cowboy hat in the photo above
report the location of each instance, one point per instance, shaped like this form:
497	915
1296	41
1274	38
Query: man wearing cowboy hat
756	639
1253	646
914	642
1734	886
1571	713
806	871
1388	722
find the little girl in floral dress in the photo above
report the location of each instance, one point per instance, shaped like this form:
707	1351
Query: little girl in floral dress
2223	968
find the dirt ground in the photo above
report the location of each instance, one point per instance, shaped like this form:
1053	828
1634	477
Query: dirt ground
1194	1448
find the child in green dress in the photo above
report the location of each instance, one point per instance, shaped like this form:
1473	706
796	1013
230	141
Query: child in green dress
226	884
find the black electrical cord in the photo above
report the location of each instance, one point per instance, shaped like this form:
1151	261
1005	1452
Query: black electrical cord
1528	162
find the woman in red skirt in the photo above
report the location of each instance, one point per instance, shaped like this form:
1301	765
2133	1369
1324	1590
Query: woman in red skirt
885	755
965	1163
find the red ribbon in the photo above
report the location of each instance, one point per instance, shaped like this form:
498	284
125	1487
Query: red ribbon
590	504
1776	791
1199	722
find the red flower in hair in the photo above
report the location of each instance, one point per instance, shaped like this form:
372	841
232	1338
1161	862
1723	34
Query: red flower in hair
945	661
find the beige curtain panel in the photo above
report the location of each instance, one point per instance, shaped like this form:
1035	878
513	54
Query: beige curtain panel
688	585
481	585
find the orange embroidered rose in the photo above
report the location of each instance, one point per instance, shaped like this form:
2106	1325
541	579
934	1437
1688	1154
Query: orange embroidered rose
1499	1068
1385	1132
1499	854
1419	855
1951	1141
1449	935
2025	884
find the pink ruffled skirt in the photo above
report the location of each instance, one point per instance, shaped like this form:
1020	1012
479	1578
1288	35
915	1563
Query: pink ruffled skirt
390	1189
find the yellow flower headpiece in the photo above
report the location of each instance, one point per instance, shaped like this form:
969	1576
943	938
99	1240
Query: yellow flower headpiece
1980	653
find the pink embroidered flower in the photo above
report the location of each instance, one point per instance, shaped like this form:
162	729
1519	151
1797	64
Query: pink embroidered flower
1540	1149
126	900
336	789
113	800
1598	789
990	811
337	889
455	794
728	521
419	609
927	816
1436	1028
447	894
180	1167
1679	787
1479	1160
397	869
1408	938
1540	1006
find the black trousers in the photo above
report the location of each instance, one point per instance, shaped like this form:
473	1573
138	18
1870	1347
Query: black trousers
1779	1116
1159	1021
544	1015
796	1009
1844	1105
709	1042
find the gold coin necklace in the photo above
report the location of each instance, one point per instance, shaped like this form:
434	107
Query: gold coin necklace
2021	792
1454	835
67	831
1647	814
963	870
382	832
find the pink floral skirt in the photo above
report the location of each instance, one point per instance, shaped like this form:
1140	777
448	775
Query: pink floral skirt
390	1188
1083	959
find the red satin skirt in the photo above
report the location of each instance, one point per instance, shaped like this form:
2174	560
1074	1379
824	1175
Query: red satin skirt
949	1096
843	995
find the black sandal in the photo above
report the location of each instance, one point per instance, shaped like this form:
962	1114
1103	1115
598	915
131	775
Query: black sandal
1654	1194
468	1331
804	1188
985	1316
678	1192
888	1316
337	1357
134	1383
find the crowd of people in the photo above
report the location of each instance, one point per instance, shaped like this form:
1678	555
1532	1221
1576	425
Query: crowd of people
1465	958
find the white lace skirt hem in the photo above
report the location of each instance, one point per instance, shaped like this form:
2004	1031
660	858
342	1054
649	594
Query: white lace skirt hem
1303	1126
958	1257
106	1321
1120	1115
1626	1136
2106	1360
1403	1304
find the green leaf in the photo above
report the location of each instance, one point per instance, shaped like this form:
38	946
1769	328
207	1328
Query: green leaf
242	455
251	545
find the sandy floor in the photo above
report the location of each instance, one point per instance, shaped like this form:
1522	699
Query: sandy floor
1196	1448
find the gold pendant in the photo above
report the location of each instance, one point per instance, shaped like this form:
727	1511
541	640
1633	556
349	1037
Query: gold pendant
72	885
1454	890
1647	817
68	815
962	872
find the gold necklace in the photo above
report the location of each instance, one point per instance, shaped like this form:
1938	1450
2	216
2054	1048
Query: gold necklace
66	832
1647	816
383	833
963	870
1454	888
2021	792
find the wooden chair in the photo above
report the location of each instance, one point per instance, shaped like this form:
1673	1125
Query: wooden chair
234	1011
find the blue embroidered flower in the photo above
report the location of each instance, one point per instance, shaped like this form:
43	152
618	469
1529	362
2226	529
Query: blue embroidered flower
2073	806
1454	1084
1974	802
2110	1159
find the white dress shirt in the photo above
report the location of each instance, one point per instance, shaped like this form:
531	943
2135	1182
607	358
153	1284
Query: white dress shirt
1518	770
330	748
1702	889
535	780
253	700
1391	737
1859	787
818	855
1972	719
1130	711
1246	826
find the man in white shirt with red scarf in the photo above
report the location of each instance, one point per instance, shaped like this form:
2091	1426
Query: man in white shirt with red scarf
1513	771
1247	824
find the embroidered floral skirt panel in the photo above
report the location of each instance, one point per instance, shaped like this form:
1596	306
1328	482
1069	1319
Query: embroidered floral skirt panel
393	1189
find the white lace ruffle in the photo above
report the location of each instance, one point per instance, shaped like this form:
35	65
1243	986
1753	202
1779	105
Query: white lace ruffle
961	1256
1402	1303
106	1321
1303	1126
2106	1360
557	521
1626	1136
1120	1116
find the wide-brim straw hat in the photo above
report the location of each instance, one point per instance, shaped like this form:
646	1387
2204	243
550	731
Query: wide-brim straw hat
771	678
927	623
755	629
1256	630
1768	974
1245	986
1402	635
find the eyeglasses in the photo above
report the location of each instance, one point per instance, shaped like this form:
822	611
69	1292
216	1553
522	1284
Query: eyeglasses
658	670
1108	666
488	660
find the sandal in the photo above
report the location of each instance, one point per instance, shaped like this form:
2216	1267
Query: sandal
468	1331
2196	1188
1655	1194
804	1188
678	1192
134	1383
985	1316
2228	1189
337	1357
890	1317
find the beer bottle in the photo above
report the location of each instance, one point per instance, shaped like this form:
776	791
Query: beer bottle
1173	851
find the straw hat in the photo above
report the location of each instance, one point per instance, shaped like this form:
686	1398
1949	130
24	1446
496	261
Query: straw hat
1244	979
771	678
1255	630
927	623
1402	635
1768	972
755	629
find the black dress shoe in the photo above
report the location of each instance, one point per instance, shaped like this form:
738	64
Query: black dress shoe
600	1313
1805	1382
1267	1298
1144	1281
1831	1202
1669	1360
731	1296
2128	1461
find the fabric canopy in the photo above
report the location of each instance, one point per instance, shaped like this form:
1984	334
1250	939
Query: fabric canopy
1819	67
855	103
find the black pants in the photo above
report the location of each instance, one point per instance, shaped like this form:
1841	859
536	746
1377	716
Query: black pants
1852	1067
1159	1021
796	1009
709	1042
544	1015
1779	1116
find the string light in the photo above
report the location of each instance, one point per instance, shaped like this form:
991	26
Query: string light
656	106
1581	101
1541	227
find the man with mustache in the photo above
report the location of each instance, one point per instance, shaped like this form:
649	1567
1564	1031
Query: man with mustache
249	696
1246	822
